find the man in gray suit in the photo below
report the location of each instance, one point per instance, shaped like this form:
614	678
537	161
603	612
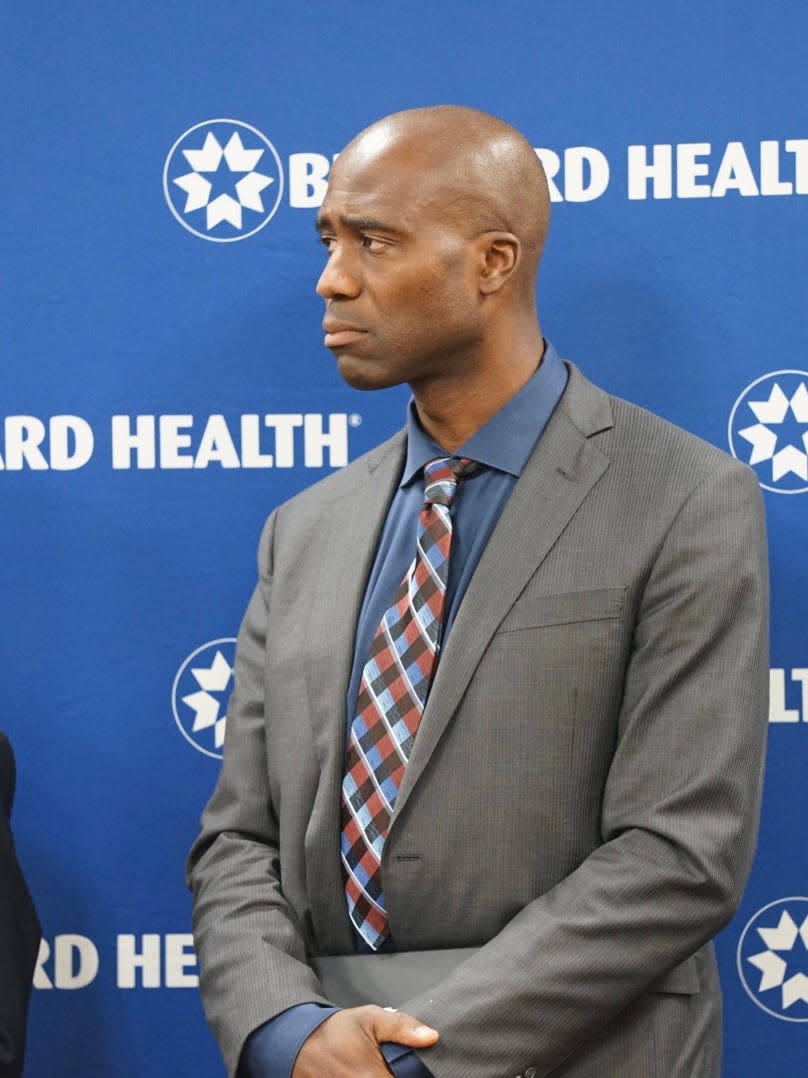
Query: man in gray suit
579	794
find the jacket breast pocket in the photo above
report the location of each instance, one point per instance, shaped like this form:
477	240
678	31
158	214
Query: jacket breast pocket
565	608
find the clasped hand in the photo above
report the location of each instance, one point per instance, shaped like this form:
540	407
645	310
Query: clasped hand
346	1045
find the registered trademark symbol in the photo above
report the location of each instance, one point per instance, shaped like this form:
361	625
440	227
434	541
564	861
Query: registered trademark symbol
355	420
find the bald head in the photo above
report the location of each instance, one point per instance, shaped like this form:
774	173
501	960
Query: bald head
473	168
433	222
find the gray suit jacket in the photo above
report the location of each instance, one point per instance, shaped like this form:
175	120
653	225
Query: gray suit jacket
582	796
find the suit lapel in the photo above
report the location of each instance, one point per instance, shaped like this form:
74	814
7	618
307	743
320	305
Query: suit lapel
345	553
557	478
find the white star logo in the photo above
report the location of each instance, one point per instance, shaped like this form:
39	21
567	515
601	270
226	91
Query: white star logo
199	695
776	977
773	968
777	442
214	678
217	156
224	207
773	412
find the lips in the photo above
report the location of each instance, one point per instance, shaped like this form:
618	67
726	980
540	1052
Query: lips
341	333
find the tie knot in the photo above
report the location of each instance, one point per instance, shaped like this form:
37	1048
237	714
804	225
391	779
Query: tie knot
441	477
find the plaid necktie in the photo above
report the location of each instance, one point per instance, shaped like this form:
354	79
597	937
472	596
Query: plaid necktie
391	700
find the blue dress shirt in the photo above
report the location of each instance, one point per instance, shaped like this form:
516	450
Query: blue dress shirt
502	447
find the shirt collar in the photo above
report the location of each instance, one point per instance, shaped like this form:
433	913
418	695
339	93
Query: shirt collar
507	439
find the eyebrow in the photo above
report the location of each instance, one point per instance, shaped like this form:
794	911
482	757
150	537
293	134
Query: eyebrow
358	224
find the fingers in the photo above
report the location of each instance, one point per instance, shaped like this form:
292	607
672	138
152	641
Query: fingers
346	1045
399	1027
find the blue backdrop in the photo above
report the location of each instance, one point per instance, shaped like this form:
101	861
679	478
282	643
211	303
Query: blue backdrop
165	386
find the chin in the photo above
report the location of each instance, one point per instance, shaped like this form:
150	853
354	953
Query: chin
362	374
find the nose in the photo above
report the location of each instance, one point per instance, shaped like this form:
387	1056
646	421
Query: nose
337	281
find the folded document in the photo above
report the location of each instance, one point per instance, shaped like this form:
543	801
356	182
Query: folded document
386	979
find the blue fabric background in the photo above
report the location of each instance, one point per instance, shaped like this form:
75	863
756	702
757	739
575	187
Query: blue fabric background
111	578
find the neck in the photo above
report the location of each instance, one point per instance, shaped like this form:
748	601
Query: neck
451	410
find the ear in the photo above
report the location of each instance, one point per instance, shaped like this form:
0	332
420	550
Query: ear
500	254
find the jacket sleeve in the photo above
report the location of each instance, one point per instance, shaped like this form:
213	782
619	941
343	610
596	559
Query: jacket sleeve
679	812
19	931
249	943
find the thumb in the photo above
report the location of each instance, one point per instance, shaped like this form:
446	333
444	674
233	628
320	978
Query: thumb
401	1028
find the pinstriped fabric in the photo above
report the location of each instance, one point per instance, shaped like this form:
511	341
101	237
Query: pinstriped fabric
392	695
566	718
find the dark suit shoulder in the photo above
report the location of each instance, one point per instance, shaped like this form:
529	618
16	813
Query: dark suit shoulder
8	775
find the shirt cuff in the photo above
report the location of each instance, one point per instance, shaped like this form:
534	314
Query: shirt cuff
271	1050
403	1062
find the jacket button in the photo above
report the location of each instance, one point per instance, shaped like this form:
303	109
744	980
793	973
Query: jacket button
530	1072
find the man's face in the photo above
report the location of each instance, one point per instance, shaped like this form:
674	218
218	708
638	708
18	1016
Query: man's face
402	303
